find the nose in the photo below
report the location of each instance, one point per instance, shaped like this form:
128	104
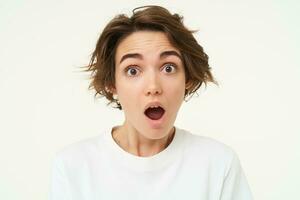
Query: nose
153	85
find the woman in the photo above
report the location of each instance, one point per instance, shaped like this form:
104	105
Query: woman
147	64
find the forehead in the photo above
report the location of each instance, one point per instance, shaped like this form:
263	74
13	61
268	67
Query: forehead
144	42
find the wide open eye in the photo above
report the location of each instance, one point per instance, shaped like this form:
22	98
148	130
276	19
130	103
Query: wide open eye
132	71
170	68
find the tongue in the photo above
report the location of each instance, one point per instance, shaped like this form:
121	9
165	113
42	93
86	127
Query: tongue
154	113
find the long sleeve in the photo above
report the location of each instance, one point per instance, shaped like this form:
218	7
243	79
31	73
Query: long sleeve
235	185
59	186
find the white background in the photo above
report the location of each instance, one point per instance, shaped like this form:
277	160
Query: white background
45	105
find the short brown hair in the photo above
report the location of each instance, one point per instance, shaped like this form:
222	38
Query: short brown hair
153	18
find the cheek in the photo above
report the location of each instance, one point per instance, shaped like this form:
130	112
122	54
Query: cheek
176	88
129	94
175	94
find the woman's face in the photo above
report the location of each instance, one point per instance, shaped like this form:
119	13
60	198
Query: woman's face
149	71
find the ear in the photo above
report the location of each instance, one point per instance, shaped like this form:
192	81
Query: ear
111	90
188	85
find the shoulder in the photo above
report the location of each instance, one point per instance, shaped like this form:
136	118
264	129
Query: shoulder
79	151
207	147
200	142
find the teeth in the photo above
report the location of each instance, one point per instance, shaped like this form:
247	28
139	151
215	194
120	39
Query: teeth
154	106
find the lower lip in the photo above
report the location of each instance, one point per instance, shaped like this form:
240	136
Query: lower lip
156	124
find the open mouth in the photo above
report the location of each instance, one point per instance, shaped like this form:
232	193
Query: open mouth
154	113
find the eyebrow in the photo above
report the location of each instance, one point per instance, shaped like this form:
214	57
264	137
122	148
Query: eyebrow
162	55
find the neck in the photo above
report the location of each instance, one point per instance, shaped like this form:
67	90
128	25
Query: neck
135	143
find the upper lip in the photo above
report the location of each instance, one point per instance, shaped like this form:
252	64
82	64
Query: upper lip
153	103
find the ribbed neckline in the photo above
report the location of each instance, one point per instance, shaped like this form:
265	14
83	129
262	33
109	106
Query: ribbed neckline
137	163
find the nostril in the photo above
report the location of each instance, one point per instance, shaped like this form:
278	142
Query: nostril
154	91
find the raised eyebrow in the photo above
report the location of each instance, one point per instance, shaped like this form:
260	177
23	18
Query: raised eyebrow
162	55
170	53
131	55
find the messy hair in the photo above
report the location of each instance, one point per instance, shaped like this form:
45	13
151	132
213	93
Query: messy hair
152	18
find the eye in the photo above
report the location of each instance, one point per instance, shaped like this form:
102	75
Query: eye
132	71
169	68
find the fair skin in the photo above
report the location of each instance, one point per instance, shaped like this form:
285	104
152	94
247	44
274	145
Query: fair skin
149	69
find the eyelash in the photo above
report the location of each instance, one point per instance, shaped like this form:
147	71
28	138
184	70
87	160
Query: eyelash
136	68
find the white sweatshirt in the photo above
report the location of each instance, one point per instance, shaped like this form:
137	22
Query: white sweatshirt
192	167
